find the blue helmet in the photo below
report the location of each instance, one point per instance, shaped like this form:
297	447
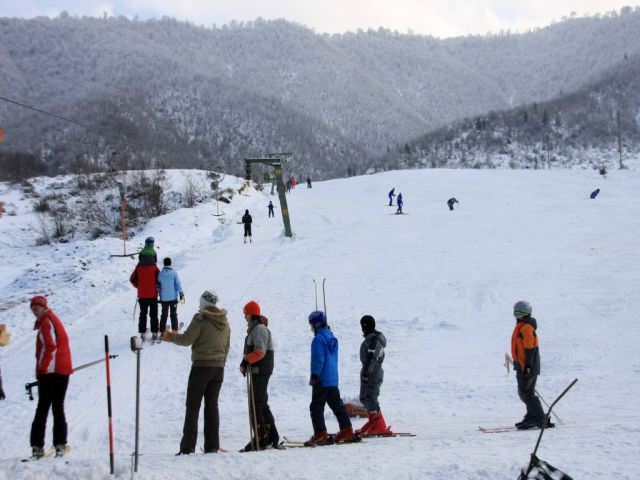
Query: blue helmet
317	318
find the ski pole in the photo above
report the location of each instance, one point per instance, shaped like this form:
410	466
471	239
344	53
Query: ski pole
315	288
555	415
324	298
253	411
135	348
108	371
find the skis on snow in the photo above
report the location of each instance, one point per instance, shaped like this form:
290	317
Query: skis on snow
287	443
49	453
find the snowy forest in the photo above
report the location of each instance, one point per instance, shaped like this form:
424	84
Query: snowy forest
165	93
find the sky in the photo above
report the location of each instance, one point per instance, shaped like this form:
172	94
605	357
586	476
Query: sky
440	18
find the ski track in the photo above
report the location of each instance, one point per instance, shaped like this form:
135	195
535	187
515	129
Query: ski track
440	284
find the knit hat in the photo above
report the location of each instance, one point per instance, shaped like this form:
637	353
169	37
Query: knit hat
317	318
149	241
208	299
252	308
368	324
39	300
167	262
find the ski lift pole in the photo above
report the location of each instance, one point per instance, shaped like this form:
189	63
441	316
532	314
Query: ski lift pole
108	371
135	348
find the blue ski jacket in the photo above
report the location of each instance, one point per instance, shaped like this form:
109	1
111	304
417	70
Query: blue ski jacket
169	285
324	358
399	200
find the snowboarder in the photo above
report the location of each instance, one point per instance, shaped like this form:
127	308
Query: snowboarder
324	382
451	202
594	194
391	195
170	290
371	376
208	335
400	202
270	207
148	255
53	368
526	363
258	361
308	182
145	279
246	221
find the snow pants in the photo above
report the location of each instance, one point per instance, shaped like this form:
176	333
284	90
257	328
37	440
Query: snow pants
267	431
527	393
271	214
166	307
148	306
203	382
370	391
247	229
52	389
327	395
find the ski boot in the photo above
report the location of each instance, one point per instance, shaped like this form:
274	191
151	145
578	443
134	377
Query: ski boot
317	439
37	453
344	435
363	430
61	450
377	425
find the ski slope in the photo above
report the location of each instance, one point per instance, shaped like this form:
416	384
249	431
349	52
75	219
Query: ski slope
440	284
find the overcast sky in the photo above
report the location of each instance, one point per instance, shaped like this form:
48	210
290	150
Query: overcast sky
441	18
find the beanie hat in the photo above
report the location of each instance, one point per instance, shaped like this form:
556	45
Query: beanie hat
368	324
149	241
167	262
317	318
208	299
39	300
252	308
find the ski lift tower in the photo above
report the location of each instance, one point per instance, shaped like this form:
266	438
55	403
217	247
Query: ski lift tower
276	161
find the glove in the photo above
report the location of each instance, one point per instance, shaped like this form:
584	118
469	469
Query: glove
527	370
315	380
182	298
168	336
243	367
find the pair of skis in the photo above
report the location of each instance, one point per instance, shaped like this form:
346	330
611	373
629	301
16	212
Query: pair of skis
48	453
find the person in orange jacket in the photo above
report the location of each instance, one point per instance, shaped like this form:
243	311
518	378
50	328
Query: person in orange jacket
526	363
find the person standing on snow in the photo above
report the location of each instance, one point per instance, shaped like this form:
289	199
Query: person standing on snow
170	290
208	335
270	207
400	203
526	363
324	382
391	195
308	181
258	361
53	368
145	279
246	221
451	202
371	376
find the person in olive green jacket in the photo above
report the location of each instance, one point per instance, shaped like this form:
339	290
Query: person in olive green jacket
208	335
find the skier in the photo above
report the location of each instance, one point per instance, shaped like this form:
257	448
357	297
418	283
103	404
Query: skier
170	290
148	255
308	182
258	361
594	194
53	367
270	207
145	279
4	340
400	202
526	363
208	335
391	195
289	185
371	376
246	220
451	202
603	171
324	382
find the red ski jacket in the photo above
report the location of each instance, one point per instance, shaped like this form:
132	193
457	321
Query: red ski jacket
52	346
145	279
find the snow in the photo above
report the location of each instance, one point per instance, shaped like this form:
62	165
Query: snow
440	284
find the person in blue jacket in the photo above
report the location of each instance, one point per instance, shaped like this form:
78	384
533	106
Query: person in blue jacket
594	194
324	381
400	202
170	290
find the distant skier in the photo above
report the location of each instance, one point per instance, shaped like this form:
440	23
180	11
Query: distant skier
288	185
148	255
246	220
208	335
170	290
324	382
4	336
145	279
594	194
400	203
391	195
603	171
371	376
258	361
270	207
526	363
53	368
451	202
309	182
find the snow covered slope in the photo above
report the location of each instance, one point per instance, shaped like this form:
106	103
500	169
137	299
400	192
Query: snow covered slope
440	284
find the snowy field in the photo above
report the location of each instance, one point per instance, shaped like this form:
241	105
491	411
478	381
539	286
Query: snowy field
440	284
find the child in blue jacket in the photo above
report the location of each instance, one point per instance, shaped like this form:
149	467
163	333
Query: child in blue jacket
170	290
324	380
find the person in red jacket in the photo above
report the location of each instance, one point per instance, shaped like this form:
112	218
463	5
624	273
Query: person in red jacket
53	367
145	279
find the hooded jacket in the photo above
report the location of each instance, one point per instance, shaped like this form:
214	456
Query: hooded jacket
209	335
524	346
324	357
372	356
169	285
52	346
145	279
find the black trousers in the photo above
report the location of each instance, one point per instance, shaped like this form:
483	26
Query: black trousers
267	431
203	382
327	395
271	214
527	393
148	306
166	307
52	389
247	229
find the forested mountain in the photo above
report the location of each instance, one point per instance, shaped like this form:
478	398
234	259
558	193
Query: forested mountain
172	93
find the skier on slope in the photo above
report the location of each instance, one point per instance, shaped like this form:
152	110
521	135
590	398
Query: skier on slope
451	202
208	334
324	382
594	194
148	255
170	290
145	279
246	221
371	376
53	368
258	361
400	203
526	363
391	195
270	207
308	181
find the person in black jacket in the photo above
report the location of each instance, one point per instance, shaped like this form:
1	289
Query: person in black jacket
246	220
451	202
371	376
